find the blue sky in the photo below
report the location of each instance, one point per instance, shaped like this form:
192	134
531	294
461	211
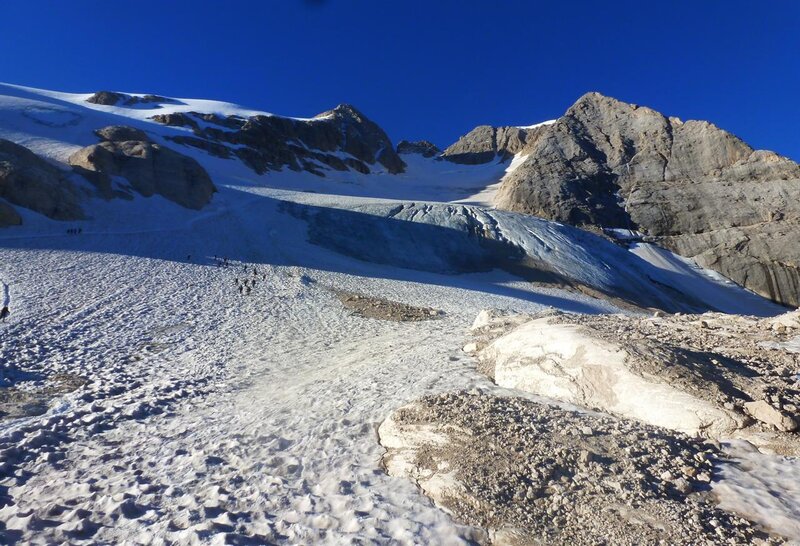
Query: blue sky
429	70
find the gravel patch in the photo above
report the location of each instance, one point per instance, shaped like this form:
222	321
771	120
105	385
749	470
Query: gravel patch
535	474
383	309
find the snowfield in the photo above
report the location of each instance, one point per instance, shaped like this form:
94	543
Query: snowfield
174	408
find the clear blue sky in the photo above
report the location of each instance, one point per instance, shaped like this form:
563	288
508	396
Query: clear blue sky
427	69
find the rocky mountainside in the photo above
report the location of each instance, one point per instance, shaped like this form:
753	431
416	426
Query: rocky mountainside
125	162
486	143
149	168
688	186
341	139
27	180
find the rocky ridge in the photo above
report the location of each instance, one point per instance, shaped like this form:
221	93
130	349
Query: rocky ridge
486	143
341	139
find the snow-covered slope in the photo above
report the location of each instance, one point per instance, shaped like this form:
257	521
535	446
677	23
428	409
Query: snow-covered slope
55	125
215	413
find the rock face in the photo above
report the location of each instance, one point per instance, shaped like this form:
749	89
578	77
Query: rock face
341	139
29	181
421	147
702	375
486	143
691	187
149	167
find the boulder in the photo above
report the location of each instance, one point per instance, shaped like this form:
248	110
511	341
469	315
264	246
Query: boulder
27	180
671	372
767	413
689	186
149	167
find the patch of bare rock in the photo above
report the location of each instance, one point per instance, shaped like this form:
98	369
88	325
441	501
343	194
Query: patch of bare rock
149	167
341	139
530	473
383	309
113	98
16	402
29	181
421	147
715	375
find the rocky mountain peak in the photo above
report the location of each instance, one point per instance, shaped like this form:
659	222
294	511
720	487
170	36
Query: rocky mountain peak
272	143
690	186
344	111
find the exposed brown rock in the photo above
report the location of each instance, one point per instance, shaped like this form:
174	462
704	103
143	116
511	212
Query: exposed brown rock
106	98
29	181
149	167
486	143
530	473
271	143
120	133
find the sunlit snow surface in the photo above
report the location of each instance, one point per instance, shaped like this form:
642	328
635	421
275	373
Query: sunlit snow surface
264	407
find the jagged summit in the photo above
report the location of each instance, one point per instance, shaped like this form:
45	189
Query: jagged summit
343	110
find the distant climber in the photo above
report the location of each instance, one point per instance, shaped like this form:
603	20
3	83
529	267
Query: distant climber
4	312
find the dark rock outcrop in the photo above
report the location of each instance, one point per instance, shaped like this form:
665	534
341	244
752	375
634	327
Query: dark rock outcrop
28	181
691	187
106	98
271	143
149	167
134	100
421	147
113	98
9	215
